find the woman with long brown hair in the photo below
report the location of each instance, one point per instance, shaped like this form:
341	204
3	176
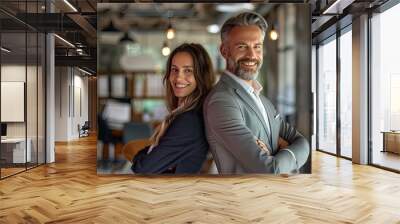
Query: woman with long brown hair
179	144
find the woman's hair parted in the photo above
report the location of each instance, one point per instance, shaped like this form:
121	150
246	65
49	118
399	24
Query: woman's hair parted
204	75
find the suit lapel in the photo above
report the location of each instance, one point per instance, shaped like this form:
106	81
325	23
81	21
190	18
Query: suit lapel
250	102
271	117
241	92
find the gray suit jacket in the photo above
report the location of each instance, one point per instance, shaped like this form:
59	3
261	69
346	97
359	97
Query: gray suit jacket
233	123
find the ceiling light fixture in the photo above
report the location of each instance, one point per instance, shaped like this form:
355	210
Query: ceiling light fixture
65	41
213	28
165	49
170	32
273	34
5	50
70	5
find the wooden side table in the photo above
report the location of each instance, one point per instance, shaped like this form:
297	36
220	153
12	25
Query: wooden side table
391	141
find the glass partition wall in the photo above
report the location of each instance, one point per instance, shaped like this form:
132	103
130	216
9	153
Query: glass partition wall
13	86
22	77
326	140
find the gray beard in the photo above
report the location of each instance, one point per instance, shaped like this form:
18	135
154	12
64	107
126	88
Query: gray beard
242	73
246	75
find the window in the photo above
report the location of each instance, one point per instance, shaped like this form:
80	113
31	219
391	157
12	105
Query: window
385	85
327	96
346	93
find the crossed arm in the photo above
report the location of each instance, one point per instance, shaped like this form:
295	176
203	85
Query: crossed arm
226	123
282	144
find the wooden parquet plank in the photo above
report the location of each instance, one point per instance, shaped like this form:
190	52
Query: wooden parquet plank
69	191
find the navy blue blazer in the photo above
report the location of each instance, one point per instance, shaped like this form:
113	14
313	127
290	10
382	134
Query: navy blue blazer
182	149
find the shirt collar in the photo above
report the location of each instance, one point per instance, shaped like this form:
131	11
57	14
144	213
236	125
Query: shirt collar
255	87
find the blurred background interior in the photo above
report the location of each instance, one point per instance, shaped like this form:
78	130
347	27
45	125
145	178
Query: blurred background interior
134	41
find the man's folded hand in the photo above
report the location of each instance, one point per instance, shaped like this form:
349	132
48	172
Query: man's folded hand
263	147
282	143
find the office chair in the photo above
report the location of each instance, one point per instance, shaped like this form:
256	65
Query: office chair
84	130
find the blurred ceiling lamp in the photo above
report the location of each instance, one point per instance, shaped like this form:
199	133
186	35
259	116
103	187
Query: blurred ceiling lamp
127	39
5	50
273	34
228	7
165	49
70	5
65	41
213	28
110	28
170	30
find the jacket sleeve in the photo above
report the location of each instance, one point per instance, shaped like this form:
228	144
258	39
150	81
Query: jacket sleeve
183	147
295	155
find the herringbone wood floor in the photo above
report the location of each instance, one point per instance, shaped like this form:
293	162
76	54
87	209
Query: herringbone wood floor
69	191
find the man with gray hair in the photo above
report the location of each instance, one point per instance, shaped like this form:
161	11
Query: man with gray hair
245	132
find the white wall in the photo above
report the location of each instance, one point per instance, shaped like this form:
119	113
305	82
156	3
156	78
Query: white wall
80	94
70	83
12	73
61	103
16	73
